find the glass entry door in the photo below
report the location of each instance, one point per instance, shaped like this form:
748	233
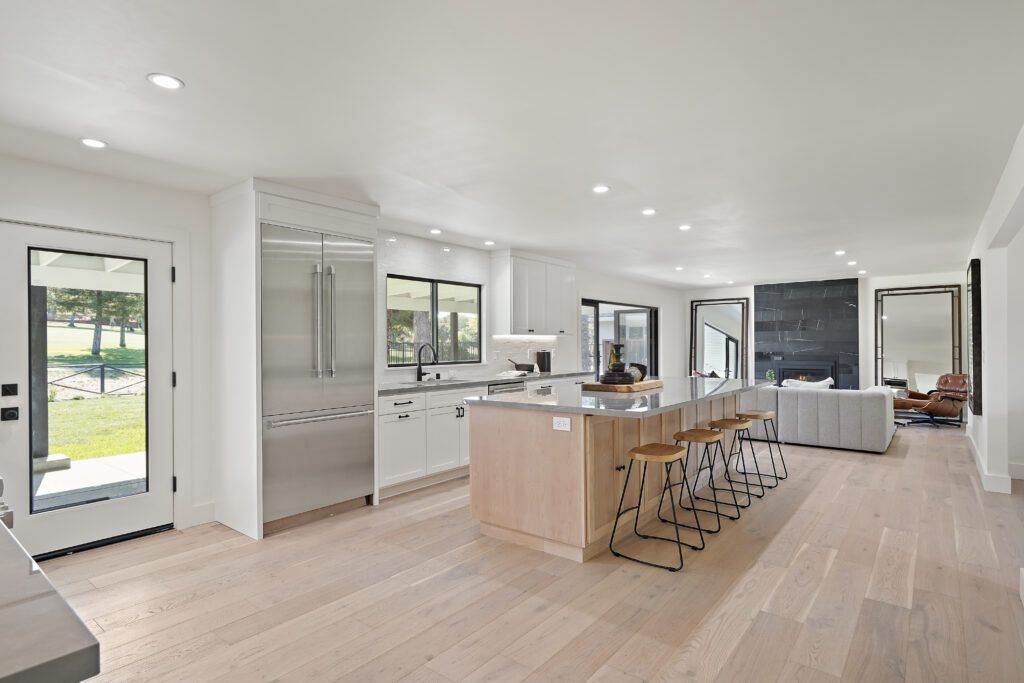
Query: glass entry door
604	323
88	457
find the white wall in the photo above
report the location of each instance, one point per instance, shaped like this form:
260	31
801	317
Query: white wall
998	244
866	312
50	195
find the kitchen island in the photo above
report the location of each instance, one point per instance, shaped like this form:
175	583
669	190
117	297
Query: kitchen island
547	466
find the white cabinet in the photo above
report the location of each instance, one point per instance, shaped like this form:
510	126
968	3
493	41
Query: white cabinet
403	447
443	434
533	295
561	307
422	434
463	436
529	296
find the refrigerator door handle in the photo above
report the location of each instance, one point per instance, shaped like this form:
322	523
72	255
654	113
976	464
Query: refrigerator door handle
332	326
318	320
318	418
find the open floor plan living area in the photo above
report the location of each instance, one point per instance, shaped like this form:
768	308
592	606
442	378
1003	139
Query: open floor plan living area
451	341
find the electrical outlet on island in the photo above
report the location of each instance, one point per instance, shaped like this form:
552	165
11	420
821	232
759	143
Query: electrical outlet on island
561	424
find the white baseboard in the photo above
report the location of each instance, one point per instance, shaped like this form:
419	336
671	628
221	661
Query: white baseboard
994	483
1016	470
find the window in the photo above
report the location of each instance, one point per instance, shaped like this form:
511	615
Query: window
443	314
603	323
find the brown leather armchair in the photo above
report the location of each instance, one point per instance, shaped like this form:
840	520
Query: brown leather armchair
941	406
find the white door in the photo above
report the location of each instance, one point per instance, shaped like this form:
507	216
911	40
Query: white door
87	348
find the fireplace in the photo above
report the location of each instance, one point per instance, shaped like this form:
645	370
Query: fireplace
804	370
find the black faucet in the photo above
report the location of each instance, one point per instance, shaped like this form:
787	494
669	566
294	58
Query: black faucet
420	374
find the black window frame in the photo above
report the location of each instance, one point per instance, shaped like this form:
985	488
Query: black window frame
434	282
654	349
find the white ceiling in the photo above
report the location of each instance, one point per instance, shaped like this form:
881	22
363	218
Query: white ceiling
781	131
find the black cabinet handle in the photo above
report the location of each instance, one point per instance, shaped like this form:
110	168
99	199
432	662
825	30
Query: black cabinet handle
402	417
530	330
620	468
403	403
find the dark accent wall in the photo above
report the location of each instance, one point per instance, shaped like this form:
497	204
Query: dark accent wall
815	322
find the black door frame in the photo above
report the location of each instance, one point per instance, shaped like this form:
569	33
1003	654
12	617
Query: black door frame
652	325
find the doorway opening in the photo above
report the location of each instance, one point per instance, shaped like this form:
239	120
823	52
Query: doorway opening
603	323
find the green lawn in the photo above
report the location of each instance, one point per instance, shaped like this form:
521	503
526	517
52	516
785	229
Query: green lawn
74	345
95	427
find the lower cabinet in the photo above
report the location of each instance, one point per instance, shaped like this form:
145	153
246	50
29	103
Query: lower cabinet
417	443
463	436
443	436
403	447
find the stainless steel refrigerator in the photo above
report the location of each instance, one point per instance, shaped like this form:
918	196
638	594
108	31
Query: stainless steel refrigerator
317	350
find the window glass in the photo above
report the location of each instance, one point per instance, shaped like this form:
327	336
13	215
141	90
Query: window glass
410	322
458	323
445	315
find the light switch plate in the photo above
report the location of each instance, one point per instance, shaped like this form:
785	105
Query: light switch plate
561	424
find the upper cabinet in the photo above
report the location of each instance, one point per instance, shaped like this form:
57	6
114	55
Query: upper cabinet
532	295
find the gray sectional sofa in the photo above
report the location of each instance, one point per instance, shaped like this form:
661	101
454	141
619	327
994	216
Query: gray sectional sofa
831	418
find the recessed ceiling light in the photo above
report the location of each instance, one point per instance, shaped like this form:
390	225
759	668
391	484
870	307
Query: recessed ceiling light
679	267
730	282
885	317
684	227
446	249
166	82
707	274
862	272
851	263
489	243
392	239
840	252
649	211
435	231
94	143
601	189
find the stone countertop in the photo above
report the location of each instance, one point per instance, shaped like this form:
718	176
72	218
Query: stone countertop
43	639
571	399
457	384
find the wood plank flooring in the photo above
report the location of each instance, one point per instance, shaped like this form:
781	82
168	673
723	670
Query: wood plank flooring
859	567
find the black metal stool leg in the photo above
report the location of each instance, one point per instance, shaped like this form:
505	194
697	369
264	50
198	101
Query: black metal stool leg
692	507
715	490
778	446
746	471
728	477
667	488
774	476
636	524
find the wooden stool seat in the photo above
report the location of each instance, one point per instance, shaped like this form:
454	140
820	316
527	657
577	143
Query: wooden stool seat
756	415
657	452
698	435
733	423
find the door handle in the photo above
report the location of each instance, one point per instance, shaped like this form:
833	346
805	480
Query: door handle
318	321
318	418
333	327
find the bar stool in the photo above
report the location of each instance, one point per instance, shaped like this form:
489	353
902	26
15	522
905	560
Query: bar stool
767	418
668	455
738	427
712	440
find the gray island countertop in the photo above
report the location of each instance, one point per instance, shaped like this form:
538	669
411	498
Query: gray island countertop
569	398
392	388
43	638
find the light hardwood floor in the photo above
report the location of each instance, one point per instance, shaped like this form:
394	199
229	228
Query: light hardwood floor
859	567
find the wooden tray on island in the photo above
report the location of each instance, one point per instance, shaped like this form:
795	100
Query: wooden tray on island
625	388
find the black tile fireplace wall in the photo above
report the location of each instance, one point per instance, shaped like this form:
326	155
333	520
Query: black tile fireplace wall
813	322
